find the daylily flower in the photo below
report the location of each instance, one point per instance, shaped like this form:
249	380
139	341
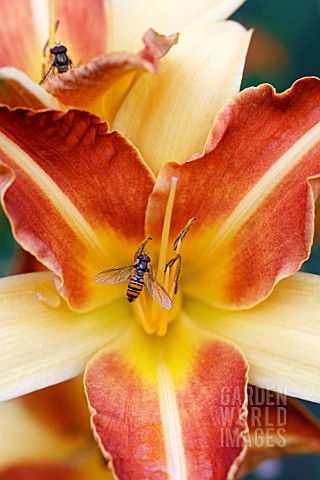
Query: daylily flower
89	199
81	198
55	422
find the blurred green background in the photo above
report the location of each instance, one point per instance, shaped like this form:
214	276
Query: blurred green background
285	47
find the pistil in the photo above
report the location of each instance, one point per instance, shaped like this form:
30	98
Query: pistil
52	24
155	319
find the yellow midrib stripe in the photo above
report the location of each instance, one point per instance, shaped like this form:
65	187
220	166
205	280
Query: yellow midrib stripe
261	190
175	453
67	211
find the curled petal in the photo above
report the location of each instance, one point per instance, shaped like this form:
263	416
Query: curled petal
18	90
83	191
101	85
43	341
280	336
131	20
142	392
253	193
168	116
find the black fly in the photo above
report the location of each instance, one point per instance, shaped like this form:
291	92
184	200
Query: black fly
59	59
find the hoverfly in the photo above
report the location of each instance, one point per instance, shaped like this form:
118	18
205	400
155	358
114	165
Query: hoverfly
59	58
140	274
60	61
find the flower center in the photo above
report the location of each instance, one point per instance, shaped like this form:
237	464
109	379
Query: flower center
154	318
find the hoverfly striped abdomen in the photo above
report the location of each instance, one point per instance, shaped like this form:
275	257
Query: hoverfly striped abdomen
139	274
135	286
136	282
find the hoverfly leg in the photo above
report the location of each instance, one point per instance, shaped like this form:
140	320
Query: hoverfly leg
47	74
170	264
141	247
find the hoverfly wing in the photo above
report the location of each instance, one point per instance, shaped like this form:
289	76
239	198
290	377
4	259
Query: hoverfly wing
114	275
158	293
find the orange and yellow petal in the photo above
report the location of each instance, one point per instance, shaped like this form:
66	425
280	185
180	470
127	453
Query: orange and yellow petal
42	341
159	408
21	45
76	196
84	465
278	426
101	85
41	471
253	193
18	90
280	337
129	20
83	28
168	116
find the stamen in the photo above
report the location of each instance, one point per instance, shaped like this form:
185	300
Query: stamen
166	279
142	314
183	233
175	273
166	230
163	326
141	247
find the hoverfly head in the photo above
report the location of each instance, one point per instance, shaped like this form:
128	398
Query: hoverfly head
144	257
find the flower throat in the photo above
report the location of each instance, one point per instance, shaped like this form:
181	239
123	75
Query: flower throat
153	317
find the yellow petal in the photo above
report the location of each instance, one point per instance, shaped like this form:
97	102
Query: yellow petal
18	424
280	337
42	341
169	116
130	20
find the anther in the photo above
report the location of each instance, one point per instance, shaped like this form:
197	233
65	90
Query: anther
183	233
141	247
178	270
